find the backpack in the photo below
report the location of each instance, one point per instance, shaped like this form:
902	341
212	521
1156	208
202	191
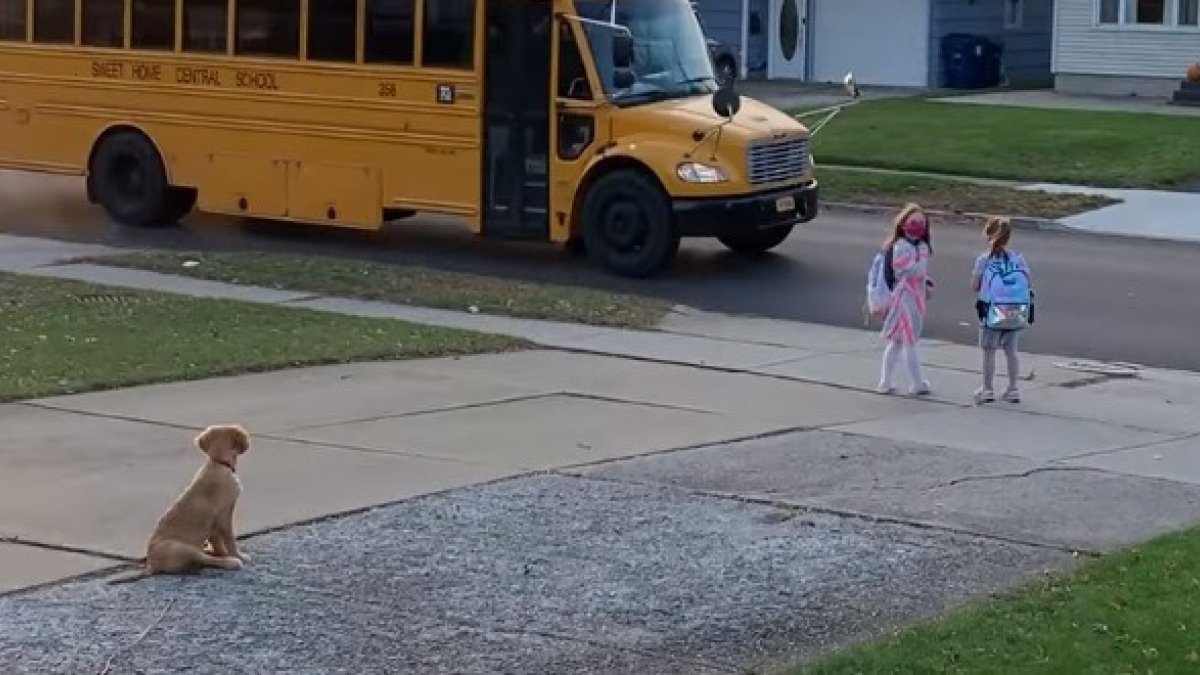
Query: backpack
1007	295
881	278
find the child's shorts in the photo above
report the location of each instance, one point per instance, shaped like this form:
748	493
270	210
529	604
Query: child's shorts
990	338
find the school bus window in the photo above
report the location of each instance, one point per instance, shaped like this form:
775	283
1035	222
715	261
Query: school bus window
449	34
103	23
572	75
331	30
12	20
390	31
204	26
54	21
268	28
153	25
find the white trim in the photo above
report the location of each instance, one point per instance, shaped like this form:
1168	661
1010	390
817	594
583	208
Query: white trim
1170	25
1055	35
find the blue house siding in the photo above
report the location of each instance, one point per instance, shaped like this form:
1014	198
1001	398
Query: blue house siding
722	20
1026	49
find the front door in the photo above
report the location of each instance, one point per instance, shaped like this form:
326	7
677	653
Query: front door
787	26
516	170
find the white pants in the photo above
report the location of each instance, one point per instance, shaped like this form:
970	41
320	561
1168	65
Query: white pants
912	362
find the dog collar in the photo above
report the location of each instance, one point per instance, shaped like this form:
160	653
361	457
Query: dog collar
226	464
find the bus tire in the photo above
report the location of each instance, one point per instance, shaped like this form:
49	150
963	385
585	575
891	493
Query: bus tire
755	242
127	177
182	201
627	225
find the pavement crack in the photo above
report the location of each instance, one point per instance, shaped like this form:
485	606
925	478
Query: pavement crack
430	411
769	500
62	548
107	416
1138	446
752	371
1016	475
399	454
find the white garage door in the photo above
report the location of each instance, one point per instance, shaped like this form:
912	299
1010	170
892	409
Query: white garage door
884	42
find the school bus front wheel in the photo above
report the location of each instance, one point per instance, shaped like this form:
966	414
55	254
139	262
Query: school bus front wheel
127	178
755	242
751	224
627	224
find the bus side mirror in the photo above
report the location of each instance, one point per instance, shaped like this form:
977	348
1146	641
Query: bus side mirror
726	102
622	50
623	78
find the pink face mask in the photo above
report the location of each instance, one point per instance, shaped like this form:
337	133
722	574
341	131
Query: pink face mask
915	227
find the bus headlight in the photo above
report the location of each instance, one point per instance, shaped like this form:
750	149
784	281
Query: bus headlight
695	172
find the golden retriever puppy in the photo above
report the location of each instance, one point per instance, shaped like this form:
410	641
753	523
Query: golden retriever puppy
203	513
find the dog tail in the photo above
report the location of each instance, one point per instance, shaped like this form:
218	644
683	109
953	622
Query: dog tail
129	577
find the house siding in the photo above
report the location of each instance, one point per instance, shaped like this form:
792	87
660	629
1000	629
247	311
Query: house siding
1027	49
722	20
1090	59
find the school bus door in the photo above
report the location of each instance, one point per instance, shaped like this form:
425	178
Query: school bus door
517	67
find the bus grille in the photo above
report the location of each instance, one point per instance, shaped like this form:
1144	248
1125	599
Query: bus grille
776	162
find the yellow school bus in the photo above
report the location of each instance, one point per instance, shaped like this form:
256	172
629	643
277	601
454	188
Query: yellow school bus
596	123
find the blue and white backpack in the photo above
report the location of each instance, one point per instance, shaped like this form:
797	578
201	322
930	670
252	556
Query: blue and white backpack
879	284
1007	292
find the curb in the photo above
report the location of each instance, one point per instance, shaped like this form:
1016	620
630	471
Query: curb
1019	222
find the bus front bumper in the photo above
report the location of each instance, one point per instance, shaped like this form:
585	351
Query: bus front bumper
764	211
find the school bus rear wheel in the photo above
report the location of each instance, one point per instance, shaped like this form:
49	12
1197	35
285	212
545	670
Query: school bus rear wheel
127	178
627	224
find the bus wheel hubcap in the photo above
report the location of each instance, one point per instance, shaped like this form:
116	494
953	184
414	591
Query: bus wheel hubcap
129	177
625	228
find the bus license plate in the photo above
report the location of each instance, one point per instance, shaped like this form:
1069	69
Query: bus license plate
785	204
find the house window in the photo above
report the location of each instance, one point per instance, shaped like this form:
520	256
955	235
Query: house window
1147	13
1187	13
1014	13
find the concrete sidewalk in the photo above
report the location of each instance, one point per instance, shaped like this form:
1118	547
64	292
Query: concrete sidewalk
1147	214
1048	98
723	494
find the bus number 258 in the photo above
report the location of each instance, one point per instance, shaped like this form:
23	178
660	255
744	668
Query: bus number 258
387	89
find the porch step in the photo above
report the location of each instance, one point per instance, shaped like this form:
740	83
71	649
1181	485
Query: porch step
1188	94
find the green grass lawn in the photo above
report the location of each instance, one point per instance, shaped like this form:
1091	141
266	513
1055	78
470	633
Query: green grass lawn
1137	611
936	194
1114	149
406	285
61	337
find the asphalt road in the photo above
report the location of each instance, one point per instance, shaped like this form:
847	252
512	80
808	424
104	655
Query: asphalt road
1099	297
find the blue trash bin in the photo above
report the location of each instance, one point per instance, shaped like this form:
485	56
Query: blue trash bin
970	61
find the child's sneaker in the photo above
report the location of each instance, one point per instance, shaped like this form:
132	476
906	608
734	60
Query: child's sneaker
984	396
924	389
1012	396
885	389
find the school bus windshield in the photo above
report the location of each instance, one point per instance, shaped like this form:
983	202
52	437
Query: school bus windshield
670	56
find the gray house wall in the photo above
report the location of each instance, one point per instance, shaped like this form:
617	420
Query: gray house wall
1026	49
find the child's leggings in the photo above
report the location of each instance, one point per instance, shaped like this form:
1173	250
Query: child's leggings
911	360
989	365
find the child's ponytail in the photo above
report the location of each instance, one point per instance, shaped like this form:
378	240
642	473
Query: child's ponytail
998	231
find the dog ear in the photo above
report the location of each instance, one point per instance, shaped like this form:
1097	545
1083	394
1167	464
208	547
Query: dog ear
239	439
206	439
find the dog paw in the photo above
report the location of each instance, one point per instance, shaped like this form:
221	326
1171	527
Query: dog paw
244	556
234	563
